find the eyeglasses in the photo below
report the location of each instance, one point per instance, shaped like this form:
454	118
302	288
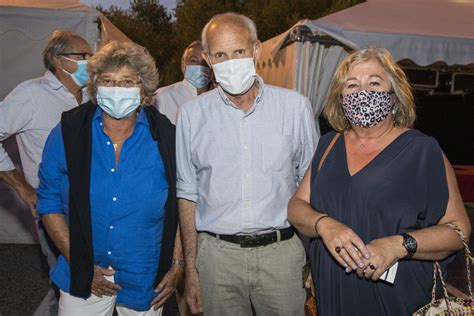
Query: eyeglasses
127	83
82	56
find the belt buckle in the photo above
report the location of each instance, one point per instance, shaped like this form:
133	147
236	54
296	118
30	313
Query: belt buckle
253	241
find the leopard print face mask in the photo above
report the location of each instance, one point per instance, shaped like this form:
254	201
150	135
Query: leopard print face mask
367	108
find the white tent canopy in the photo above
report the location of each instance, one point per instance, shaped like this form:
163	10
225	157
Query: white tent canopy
24	29
26	25
423	31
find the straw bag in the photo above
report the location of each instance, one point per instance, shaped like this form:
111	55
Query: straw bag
449	305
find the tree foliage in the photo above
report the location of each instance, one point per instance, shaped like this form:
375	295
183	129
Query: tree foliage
165	34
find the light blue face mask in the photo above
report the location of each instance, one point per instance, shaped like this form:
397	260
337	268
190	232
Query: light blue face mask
197	75
118	102
80	76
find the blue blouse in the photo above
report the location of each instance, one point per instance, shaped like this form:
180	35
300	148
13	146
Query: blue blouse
127	207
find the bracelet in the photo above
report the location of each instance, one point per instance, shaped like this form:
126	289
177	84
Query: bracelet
317	221
178	263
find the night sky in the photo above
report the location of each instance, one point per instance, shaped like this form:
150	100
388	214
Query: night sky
170	4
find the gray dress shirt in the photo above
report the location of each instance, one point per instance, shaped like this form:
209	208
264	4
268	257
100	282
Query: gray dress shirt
30	112
242	168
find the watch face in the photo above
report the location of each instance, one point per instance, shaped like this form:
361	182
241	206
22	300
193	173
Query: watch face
409	243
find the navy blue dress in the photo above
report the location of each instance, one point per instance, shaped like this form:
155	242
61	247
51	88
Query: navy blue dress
404	188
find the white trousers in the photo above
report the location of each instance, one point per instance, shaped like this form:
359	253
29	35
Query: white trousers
95	306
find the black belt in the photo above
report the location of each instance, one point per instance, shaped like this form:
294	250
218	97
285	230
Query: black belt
249	241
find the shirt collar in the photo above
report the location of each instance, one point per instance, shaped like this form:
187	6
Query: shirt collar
189	86
257	100
141	119
53	81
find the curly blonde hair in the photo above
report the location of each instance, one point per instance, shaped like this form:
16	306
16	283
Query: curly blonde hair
116	55
404	105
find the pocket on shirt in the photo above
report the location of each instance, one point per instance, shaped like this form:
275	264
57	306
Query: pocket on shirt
277	155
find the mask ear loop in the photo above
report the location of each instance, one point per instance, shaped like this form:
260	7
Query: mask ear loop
70	59
394	108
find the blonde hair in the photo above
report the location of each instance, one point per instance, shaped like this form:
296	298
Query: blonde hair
116	55
404	104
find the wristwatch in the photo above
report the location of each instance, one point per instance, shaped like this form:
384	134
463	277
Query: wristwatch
410	245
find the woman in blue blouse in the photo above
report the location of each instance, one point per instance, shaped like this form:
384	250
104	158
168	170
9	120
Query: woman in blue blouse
107	192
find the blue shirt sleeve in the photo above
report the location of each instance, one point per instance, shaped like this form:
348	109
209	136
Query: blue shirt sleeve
52	172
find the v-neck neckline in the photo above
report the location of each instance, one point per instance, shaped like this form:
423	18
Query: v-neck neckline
373	160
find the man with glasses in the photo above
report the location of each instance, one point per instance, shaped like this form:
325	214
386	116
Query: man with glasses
30	112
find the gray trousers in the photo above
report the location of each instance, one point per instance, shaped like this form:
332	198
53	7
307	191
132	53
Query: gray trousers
267	279
49	305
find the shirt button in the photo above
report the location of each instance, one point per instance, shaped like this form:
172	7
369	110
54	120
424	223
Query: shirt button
246	147
108	143
114	199
112	170
111	226
109	252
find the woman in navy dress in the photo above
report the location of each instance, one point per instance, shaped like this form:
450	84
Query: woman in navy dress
382	195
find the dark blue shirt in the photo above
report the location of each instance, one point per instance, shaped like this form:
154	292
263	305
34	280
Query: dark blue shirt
127	207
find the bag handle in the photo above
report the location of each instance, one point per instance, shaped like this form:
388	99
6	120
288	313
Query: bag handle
437	270
469	258
328	149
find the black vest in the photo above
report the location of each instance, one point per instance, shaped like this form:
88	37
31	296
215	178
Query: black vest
76	128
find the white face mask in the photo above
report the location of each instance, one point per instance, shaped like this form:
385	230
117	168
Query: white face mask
118	102
235	76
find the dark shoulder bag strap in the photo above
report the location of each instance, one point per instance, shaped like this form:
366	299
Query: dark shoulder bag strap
328	150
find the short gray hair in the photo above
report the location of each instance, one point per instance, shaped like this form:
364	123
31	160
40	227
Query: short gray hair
234	18
59	43
116	55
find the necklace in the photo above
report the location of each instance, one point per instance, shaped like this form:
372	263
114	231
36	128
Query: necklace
362	145
119	142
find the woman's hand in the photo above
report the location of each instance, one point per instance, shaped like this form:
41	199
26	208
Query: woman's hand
100	285
167	286
384	252
343	244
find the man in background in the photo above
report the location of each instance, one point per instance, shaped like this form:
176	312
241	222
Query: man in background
197	80
30	112
169	99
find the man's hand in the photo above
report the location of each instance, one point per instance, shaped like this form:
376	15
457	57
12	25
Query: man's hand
100	286
167	286
192	291
26	192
